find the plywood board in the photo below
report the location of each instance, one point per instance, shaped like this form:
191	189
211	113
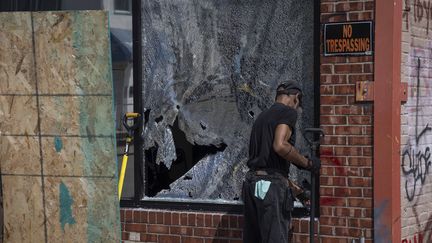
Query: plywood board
57	136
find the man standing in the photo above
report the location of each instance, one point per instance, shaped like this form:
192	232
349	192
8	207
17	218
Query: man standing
268	199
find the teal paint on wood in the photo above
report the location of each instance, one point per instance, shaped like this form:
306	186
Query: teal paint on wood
66	202
58	144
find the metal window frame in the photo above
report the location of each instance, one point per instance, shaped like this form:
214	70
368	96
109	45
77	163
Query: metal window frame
137	201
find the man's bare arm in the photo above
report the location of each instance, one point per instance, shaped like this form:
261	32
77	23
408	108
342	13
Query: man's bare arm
284	149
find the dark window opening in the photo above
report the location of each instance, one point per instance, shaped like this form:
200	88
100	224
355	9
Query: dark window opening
123	6
159	177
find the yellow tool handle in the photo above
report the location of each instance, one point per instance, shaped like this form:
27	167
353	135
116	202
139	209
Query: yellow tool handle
132	114
122	175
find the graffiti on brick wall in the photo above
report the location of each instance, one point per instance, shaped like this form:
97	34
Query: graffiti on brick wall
421	11
417	238
416	159
423	236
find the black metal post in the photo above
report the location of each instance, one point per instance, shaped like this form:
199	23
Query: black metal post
137	98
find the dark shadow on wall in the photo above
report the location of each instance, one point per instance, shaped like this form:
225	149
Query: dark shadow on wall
160	176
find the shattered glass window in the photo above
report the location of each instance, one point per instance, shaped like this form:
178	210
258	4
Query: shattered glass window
209	68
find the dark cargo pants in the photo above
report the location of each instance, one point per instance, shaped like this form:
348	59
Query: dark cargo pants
267	219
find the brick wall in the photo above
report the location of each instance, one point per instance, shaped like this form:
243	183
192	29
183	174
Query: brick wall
416	119
175	226
346	176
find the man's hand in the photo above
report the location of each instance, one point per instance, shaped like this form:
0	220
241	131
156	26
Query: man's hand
314	164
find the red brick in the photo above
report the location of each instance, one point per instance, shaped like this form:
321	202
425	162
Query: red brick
333	59
200	220
175	219
333	181
208	220
354	59
360	182
327	7
326	211
334	221
360	202
183	219
125	236
348	151
224	221
159	217
152	217
369	5
347	192
180	230
327	89
161	229
204	232
326	69
191	219
122	215
367	130
348	130
367	172
348	68
326	230
148	238
344	89
354	222
360	140
333	100
233	221
368	68
136	216
348	110
128	216
326	191
216	220
143	216
335	140
356	6
360	161
327	171
169	239
333	120
353	78
333	79
167	218
191	240
328	130
347	232
366	223
135	228
334	240
328	18
327	110
360	16
240	222
358	120
367	151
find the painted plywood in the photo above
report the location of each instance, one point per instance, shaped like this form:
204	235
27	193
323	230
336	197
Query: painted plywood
57	143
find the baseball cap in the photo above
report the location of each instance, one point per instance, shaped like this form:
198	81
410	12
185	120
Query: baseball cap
290	87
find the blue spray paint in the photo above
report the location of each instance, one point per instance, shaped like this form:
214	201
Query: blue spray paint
58	144
66	202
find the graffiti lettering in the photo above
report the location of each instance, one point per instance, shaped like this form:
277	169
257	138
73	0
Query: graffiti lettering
415	161
418	238
421	10
415	166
